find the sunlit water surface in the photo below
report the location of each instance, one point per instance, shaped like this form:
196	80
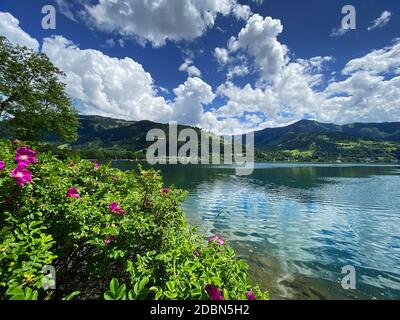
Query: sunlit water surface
297	225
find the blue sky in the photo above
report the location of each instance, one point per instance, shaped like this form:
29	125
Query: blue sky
283	62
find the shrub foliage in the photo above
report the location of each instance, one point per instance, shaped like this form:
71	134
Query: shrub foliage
109	234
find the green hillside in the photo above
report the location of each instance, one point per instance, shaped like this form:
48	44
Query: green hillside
306	140
388	131
106	138
328	147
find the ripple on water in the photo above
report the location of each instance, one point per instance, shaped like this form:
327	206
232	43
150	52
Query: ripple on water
297	225
304	235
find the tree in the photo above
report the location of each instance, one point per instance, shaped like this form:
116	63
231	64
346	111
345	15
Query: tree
33	102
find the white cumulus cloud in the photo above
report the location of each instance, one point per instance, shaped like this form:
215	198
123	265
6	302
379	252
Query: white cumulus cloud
289	90
237	71
191	69
222	55
259	38
160	20
377	61
106	85
189	101
9	27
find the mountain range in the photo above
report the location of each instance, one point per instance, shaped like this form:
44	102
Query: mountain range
305	140
388	131
309	140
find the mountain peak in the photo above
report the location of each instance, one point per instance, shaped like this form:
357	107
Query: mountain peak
305	121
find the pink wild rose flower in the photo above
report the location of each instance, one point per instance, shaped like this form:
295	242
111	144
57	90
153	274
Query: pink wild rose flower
2	165
217	239
250	295
115	208
26	150
21	175
25	156
73	193
214	293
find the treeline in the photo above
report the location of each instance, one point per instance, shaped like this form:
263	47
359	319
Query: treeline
362	155
360	152
98	154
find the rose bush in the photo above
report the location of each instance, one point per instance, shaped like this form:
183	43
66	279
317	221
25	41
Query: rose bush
109	234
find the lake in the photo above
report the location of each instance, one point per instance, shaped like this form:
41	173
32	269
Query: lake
297	225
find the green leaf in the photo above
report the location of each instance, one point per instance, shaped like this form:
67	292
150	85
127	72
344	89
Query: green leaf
122	292
72	295
158	294
226	294
143	283
114	285
108	295
171	286
21	294
131	295
15	292
18	297
170	295
196	292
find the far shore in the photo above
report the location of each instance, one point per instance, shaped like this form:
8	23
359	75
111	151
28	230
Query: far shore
397	163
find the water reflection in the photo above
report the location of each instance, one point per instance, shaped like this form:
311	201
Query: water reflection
298	225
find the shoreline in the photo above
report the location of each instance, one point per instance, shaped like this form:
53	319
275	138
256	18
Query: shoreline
395	164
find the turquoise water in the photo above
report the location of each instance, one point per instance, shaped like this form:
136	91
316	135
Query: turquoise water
297	225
